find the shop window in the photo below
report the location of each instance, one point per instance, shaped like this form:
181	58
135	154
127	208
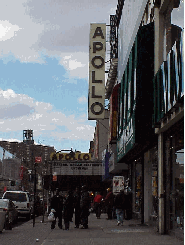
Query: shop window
154	160
138	186
179	185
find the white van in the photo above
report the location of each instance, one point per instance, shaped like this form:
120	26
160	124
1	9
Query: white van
21	199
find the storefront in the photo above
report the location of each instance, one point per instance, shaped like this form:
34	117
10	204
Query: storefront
174	177
137	187
150	188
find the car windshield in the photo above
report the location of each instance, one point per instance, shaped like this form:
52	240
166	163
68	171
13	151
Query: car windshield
18	197
3	204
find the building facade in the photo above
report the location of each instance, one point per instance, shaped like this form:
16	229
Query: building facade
10	171
145	89
27	153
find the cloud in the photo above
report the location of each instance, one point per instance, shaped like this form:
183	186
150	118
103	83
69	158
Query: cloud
15	111
82	99
19	112
55	27
7	30
76	63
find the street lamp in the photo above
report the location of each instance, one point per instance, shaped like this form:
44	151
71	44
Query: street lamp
43	174
36	161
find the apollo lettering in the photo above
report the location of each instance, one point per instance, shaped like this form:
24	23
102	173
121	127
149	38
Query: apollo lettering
96	73
68	157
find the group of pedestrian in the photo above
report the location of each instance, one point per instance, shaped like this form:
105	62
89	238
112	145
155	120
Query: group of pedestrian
80	201
111	203
64	208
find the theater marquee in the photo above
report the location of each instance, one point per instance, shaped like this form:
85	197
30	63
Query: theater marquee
96	97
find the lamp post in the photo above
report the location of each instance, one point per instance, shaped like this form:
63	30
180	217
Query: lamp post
35	189
43	173
50	181
36	161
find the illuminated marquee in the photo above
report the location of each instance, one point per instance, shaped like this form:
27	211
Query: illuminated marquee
68	157
97	48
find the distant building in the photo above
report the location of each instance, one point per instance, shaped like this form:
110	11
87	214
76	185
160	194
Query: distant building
27	153
10	169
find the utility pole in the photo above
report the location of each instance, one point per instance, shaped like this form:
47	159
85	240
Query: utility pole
43	174
50	181
28	139
35	189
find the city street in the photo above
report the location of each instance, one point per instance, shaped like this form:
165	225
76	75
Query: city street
101	231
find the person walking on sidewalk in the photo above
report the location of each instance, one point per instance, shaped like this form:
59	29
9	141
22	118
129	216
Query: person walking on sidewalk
71	205
97	205
85	203
119	204
57	205
77	207
109	202
68	203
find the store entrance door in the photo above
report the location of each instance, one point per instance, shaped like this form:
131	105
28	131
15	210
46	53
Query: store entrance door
174	179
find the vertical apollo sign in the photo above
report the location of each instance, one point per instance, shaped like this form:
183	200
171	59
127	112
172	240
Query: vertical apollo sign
96	97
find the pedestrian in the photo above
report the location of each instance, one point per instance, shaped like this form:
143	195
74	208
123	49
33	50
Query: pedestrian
68	203
114	211
128	201
77	207
85	203
120	206
97	205
109	202
57	205
71	205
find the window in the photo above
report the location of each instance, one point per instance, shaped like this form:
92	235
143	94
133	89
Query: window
18	197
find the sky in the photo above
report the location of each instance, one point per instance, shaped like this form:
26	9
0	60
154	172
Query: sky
44	53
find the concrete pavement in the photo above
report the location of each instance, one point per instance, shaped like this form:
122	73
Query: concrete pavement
100	232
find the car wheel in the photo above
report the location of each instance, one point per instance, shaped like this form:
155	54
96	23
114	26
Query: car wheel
28	216
16	220
10	226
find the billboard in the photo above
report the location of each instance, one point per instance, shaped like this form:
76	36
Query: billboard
113	114
118	184
105	165
97	48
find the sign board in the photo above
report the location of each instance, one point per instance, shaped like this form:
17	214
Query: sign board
67	156
55	176
113	114
113	37
76	168
97	48
38	159
118	184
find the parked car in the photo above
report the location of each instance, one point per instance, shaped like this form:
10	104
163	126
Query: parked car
11	213
2	220
21	199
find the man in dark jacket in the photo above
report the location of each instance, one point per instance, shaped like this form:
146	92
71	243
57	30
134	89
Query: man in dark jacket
109	202
77	207
119	204
68	205
57	205
85	202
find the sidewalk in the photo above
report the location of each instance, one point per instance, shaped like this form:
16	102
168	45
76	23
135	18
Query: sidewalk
105	232
100	232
